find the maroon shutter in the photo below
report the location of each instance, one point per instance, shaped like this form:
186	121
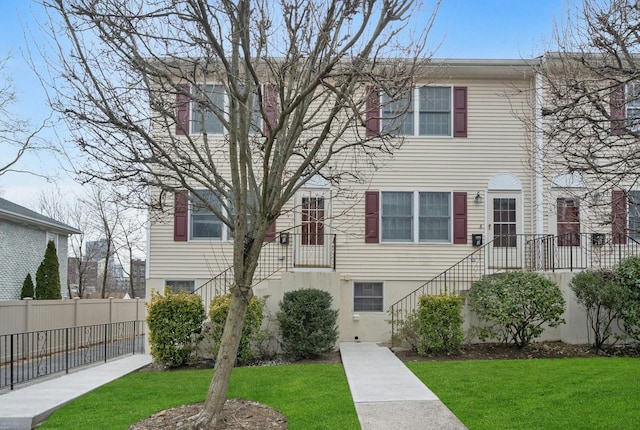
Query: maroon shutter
371	217
617	106
271	233
373	112
460	112
180	216
618	216
270	100
182	110
459	218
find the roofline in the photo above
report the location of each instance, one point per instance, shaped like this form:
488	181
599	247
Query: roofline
60	227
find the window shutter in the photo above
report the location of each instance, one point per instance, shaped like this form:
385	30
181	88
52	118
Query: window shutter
182	110
617	106
373	112
618	216
460	112
459	218
270	100
371	217
180	216
271	233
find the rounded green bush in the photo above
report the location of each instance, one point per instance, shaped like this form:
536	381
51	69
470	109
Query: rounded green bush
218	311
603	298
439	324
307	323
175	322
515	305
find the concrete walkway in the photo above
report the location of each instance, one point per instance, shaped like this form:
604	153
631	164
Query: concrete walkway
27	407
387	395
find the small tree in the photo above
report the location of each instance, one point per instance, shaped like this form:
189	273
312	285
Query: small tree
602	297
28	289
48	275
628	272
307	323
174	320
515	305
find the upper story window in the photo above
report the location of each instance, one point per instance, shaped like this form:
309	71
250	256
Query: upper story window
416	217
206	117
433	116
633	104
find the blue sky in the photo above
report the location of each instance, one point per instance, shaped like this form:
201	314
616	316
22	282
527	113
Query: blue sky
503	29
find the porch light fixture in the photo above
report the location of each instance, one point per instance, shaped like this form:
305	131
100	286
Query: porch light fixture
478	198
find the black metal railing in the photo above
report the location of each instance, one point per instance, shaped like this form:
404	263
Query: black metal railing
579	251
28	356
288	250
573	251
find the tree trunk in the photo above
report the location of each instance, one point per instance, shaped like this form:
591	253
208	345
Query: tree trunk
226	358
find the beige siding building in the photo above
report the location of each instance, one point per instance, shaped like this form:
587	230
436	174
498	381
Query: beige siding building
464	196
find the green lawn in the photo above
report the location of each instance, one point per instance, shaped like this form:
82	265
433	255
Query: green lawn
312	396
589	393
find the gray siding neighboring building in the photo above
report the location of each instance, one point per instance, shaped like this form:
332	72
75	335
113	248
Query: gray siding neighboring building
23	240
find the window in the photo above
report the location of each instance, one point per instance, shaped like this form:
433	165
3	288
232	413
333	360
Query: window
435	111
568	222
180	285
204	224
405	213
367	297
435	217
633	105
634	215
433	116
397	115
204	119
397	217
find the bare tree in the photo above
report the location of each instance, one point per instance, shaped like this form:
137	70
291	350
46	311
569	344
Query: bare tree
74	211
296	76
129	241
590	94
17	136
106	214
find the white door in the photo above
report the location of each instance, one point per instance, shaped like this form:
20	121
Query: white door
507	244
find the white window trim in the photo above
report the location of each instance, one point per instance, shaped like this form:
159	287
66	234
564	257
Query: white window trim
415	97
416	219
353	295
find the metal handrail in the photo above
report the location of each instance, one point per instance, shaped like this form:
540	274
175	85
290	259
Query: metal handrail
28	356
288	250
571	251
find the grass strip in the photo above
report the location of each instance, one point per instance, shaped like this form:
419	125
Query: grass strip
576	393
312	396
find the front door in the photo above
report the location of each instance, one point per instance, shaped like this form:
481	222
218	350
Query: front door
312	242
505	231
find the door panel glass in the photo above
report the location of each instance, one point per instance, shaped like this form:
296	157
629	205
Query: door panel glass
504	222
312	221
